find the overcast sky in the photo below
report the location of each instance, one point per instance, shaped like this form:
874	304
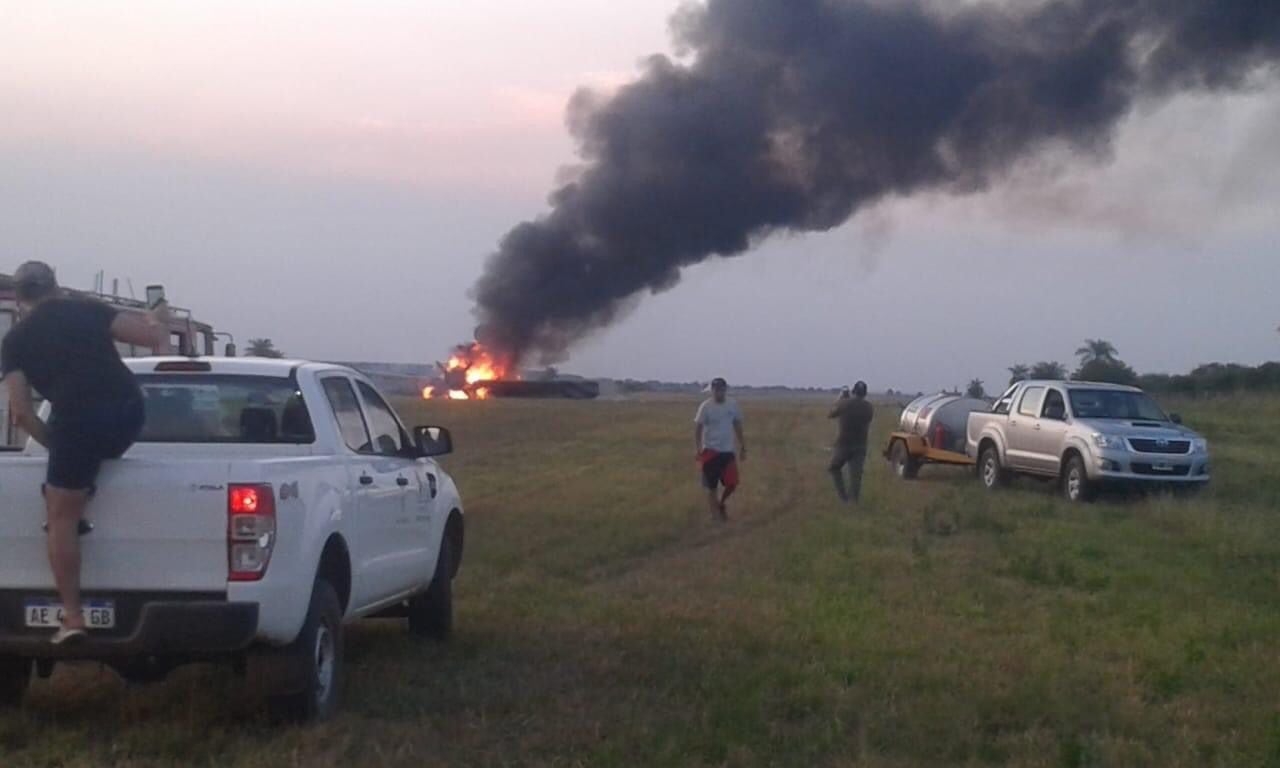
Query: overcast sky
332	175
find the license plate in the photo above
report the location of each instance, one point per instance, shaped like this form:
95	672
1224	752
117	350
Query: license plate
98	614
1162	467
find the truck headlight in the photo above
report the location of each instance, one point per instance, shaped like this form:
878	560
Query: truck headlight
1111	442
1200	445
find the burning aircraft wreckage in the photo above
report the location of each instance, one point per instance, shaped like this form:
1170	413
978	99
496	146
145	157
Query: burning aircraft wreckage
473	372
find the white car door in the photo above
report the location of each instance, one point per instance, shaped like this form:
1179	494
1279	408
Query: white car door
397	475
369	509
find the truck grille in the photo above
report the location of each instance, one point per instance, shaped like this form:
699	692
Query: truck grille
1149	445
1141	468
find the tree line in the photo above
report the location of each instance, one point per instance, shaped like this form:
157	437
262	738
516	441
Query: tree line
1099	360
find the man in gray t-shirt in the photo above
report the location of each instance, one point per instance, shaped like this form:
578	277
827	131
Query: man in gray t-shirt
719	441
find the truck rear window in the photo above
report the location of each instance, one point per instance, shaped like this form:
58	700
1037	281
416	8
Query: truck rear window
203	408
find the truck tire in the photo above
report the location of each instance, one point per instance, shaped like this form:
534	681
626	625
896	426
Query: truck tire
1076	486
431	612
315	658
992	474
15	676
904	464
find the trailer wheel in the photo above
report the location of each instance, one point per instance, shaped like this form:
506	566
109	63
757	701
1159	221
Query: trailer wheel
990	471
904	464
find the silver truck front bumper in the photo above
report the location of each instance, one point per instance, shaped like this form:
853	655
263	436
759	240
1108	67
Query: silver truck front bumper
1125	466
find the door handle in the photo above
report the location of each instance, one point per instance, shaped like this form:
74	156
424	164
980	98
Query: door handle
366	480
402	481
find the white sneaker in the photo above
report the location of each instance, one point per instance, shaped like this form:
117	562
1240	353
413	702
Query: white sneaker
68	635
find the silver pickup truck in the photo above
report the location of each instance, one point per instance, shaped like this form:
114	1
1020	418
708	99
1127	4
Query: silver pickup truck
1085	435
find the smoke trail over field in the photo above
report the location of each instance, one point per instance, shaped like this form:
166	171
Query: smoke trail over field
794	114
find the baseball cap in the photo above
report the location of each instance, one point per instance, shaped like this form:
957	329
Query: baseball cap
719	382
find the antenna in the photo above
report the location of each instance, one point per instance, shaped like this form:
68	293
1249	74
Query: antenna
132	295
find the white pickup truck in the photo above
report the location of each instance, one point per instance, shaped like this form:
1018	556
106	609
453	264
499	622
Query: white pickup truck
266	504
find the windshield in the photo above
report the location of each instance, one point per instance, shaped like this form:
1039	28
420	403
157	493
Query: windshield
187	408
1114	404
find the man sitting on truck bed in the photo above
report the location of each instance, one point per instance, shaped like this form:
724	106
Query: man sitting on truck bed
64	349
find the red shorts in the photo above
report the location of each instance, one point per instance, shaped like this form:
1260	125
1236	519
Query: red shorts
718	469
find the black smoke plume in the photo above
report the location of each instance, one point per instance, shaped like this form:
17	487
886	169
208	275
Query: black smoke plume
794	114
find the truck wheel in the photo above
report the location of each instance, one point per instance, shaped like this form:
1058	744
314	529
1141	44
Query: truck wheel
904	466
1076	486
15	676
431	613
316	661
990	472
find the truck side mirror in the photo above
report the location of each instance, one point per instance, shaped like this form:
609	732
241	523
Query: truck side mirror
1175	418
433	441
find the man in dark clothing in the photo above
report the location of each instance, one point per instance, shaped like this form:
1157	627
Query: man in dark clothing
64	349
854	414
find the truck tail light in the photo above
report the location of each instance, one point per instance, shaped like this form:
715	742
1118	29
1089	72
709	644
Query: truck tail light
251	530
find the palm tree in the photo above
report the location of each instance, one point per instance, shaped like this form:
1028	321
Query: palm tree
976	389
1097	349
1049	371
262	348
1019	373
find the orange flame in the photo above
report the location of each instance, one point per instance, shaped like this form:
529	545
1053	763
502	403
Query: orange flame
469	368
476	366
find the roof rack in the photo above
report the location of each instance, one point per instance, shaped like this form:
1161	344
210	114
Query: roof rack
134	304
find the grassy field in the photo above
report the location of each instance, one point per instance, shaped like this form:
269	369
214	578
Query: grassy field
603	620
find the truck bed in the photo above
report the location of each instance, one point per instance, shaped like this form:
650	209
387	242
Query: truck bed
159	521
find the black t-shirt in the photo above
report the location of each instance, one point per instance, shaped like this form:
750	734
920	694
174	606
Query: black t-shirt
66	350
855	417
